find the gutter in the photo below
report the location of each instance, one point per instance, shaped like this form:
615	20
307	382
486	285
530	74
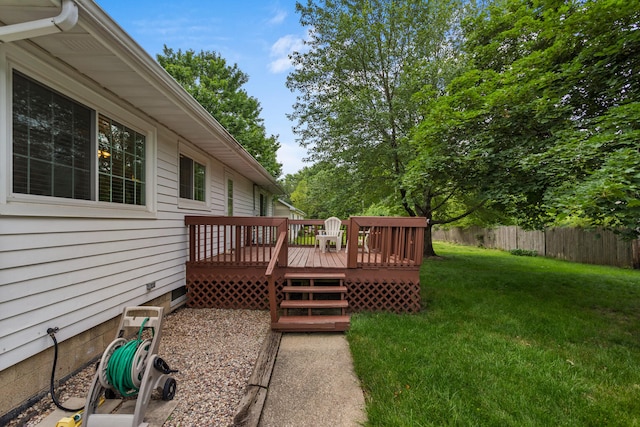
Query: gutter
25	30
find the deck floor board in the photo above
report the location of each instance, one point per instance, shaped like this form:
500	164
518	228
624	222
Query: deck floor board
306	257
298	256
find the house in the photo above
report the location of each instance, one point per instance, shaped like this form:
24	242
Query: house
284	209
104	155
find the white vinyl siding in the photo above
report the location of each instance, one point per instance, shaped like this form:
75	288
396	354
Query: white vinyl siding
74	264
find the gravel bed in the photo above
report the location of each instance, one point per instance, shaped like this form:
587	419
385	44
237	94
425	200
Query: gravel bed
213	349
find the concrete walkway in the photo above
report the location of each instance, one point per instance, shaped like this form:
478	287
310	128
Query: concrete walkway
313	384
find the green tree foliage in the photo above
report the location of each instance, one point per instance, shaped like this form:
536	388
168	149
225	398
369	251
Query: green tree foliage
218	88
533	116
356	109
320	191
545	119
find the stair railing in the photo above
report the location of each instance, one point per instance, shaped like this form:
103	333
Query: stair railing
271	283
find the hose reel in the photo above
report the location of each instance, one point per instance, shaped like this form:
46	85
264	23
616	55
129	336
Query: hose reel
131	367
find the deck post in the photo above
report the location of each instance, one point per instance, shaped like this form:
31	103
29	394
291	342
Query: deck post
352	243
238	243
269	273
273	307
192	244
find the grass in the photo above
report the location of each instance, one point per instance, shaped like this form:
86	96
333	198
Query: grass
505	341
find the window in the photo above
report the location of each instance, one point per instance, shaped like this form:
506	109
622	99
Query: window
52	153
55	144
229	197
120	163
263	205
192	179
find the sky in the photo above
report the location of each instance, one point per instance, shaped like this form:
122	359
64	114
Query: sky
257	35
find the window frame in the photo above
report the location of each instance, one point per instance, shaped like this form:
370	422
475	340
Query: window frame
183	203
263	204
78	89
229	199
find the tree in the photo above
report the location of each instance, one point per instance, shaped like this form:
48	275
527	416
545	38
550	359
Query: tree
599	150
366	61
320	191
546	113
218	88
474	135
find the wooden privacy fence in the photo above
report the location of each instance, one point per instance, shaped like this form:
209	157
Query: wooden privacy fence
596	246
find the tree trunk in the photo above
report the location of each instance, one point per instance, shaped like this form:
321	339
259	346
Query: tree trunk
428	242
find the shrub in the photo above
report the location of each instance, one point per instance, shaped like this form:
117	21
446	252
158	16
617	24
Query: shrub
523	252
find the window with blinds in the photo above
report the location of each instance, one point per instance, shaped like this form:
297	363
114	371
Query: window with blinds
52	141
192	179
55	142
121	171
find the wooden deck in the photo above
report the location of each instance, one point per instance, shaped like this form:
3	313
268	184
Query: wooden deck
258	263
306	257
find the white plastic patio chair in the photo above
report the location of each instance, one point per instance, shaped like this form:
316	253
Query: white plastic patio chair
331	233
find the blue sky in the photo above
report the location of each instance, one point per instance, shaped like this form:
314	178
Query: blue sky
255	34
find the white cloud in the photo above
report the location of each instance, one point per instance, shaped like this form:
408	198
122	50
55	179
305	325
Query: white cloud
278	17
281	50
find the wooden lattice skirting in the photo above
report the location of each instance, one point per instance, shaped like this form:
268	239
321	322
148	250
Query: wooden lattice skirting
231	291
250	291
395	296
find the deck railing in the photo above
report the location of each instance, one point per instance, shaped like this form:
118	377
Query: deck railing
385	242
302	232
370	242
235	241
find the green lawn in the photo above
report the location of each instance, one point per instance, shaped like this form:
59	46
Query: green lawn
505	340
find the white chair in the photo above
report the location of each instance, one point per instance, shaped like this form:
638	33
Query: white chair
331	233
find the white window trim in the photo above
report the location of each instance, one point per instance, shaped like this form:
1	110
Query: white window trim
195	155
17	204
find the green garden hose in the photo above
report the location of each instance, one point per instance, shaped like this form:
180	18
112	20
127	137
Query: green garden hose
119	366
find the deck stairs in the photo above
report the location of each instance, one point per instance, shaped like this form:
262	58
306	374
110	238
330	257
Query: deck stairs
313	302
